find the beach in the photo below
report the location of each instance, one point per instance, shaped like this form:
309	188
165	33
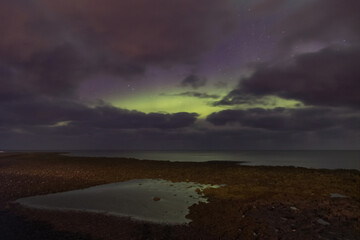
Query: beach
255	202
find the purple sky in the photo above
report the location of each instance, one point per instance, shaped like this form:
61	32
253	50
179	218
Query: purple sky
182	74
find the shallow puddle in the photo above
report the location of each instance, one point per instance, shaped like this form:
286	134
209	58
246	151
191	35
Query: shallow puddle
152	200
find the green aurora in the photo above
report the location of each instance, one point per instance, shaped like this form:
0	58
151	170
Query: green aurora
173	102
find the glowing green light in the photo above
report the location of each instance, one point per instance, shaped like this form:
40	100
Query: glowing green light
171	102
150	102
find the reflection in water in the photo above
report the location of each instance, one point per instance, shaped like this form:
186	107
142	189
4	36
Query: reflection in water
157	201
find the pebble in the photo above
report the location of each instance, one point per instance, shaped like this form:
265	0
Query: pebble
156	199
323	222
337	195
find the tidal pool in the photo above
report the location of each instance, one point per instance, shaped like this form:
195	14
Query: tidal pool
151	200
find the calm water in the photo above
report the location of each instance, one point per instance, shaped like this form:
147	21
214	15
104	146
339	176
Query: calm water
151	200
308	159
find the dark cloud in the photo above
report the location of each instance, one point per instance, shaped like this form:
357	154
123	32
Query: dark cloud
49	112
176	31
281	119
20	31
157	31
238	97
54	72
330	77
11	87
71	137
58	71
220	84
195	94
42	111
324	21
193	81
267	5
52	46
110	117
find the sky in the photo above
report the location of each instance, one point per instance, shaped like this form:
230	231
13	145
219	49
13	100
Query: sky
180	74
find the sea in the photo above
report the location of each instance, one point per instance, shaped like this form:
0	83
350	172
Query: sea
317	159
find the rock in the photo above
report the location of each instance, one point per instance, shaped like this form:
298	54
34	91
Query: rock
323	222
337	195
156	199
294	208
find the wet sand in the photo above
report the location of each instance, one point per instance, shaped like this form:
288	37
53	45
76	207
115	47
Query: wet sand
256	203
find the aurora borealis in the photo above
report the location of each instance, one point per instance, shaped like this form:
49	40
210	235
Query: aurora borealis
181	74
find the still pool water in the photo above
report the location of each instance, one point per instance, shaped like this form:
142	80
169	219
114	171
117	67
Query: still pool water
153	200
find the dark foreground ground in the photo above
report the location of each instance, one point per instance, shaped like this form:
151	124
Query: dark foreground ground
256	203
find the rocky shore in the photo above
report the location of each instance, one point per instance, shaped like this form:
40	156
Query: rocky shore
255	203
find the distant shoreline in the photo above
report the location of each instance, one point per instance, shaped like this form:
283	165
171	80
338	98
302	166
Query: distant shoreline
332	159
